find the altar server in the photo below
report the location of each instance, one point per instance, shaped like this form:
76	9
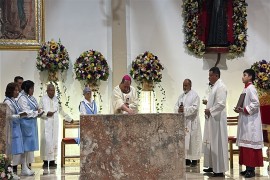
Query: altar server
249	132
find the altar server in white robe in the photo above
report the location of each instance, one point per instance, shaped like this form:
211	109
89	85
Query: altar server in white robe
49	126
124	98
188	104
215	139
249	132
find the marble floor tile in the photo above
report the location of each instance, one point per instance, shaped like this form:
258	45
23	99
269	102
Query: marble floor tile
72	172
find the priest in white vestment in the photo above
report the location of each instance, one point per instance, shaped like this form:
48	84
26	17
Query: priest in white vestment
124	98
49	126
215	139
188	104
249	132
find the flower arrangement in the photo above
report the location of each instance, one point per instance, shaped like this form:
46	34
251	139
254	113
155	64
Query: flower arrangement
262	70
52	56
5	167
191	11
146	67
91	66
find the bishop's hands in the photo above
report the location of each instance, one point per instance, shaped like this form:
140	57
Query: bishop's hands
125	107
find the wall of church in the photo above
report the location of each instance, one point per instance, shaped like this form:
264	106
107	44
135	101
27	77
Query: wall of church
154	25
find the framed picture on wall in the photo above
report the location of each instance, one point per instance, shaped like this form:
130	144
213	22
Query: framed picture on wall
22	24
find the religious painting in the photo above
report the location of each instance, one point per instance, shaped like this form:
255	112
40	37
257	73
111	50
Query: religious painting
216	24
22	24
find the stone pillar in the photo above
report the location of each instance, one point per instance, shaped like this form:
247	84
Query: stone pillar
119	41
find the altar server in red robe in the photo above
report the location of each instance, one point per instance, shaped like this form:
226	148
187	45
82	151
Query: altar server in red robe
249	132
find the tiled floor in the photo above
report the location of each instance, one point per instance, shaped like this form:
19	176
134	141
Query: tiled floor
72	172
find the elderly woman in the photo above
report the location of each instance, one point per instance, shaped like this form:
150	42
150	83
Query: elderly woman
29	128
88	106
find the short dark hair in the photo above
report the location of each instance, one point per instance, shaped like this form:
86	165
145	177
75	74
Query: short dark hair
251	73
189	81
26	85
10	89
215	70
17	78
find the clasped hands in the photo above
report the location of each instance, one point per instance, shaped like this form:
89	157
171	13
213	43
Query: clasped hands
207	113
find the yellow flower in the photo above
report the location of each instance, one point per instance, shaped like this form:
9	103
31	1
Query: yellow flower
91	53
56	59
264	66
149	55
265	78
189	24
92	64
239	49
241	37
89	76
261	75
87	68
53	46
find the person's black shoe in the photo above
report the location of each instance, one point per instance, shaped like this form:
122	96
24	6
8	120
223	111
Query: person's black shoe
194	163
188	162
208	170
52	164
243	173
218	175
250	174
45	164
15	168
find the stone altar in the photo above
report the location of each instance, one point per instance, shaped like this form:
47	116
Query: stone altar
141	146
5	128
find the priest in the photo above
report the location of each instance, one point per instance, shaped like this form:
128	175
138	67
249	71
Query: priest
188	104
124	98
49	126
215	140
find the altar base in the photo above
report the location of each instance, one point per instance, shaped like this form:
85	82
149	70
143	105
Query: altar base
141	146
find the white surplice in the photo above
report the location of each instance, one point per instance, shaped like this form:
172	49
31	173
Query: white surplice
251	122
193	136
49	127
119	98
215	139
